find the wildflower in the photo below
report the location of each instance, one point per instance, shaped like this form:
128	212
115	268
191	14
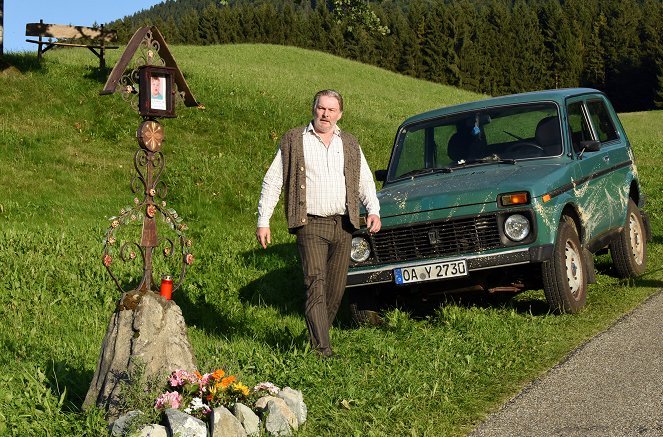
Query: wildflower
189	258
115	223
166	251
195	404
180	377
225	382
111	240
168	399
241	388
218	374
271	388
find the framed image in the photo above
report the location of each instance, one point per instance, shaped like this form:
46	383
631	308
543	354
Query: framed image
156	92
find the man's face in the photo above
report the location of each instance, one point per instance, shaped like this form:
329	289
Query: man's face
326	113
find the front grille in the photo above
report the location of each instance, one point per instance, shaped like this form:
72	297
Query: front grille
445	238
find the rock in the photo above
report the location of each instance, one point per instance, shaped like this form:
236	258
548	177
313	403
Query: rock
224	424
122	424
295	401
249	420
153	431
145	329
183	425
280	420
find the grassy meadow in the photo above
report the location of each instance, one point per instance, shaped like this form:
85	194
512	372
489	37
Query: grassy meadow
65	168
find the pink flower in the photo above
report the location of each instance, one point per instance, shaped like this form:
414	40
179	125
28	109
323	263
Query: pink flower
170	399
189	258
271	388
180	377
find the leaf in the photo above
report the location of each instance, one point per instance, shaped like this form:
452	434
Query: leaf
346	404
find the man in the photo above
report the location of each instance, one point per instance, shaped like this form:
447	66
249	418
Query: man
326	176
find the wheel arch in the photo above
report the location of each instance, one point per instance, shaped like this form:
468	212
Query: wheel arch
571	211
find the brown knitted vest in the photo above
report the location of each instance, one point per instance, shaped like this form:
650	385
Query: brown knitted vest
294	177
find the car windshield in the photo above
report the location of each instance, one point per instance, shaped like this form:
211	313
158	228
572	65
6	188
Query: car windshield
489	136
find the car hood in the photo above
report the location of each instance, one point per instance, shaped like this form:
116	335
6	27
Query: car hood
468	186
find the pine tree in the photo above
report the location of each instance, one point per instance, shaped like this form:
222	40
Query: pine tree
651	35
530	61
564	50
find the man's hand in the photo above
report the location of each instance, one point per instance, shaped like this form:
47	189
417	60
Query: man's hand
373	223
264	236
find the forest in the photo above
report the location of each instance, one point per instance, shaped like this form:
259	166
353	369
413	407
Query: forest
493	47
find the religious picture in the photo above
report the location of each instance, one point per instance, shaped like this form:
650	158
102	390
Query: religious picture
158	89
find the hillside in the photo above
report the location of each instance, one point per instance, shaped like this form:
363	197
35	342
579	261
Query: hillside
65	168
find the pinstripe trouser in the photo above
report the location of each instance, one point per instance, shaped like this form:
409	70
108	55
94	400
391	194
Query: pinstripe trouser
324	247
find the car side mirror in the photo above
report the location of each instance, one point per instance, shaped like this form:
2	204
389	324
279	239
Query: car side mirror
381	175
590	146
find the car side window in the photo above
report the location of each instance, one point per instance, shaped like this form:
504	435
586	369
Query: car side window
602	121
578	126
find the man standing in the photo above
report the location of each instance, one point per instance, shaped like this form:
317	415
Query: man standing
326	176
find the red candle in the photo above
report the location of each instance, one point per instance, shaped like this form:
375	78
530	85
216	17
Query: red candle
167	286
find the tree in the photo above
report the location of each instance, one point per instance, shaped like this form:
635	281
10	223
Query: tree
530	60
564	50
356	14
439	48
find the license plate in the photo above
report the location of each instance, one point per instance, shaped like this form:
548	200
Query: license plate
431	272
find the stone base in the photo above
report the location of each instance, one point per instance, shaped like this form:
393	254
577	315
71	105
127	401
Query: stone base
145	329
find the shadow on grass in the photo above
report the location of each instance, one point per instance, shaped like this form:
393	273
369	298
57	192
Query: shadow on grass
23	62
280	289
62	376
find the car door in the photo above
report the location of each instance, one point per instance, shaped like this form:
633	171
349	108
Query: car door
599	174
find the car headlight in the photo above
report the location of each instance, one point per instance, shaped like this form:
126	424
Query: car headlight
516	227
361	249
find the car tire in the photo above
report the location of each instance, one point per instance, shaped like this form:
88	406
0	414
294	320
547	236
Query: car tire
565	275
363	303
629	250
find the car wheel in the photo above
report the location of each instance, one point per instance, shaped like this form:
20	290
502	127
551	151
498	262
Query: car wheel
629	250
364	306
565	275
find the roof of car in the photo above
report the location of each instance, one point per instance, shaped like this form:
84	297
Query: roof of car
556	95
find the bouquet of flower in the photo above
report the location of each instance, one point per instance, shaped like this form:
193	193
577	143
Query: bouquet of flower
197	394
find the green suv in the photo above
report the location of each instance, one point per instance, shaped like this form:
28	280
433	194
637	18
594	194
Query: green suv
504	195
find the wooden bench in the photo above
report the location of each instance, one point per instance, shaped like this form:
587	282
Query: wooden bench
93	39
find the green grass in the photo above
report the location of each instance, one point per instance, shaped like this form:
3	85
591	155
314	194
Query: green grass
65	165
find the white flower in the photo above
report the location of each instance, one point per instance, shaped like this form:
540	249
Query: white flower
196	404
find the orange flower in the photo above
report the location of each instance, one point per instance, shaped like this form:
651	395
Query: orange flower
198	375
225	382
218	374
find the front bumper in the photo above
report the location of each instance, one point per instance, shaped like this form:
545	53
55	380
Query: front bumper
380	274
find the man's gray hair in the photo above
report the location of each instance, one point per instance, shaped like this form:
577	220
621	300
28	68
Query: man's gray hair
327	93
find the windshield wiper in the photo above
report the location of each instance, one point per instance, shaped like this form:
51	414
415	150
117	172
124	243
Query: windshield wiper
492	159
422	171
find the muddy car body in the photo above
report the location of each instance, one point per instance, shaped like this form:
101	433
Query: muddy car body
505	194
